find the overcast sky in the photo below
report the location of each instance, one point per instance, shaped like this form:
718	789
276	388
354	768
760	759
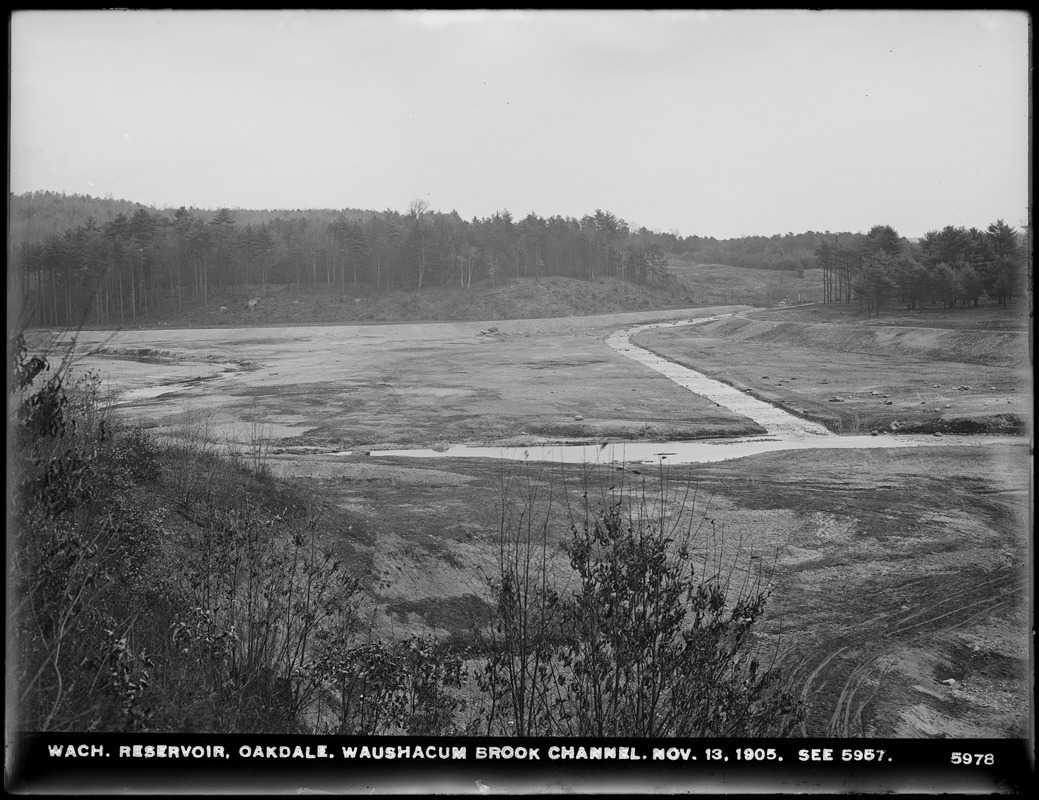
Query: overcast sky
712	123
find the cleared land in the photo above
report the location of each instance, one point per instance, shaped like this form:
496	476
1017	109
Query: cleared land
960	371
901	576
391	386
895	571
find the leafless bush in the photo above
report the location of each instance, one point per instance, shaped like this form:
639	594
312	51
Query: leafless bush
649	633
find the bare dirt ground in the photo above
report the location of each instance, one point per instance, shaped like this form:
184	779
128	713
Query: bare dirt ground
912	574
409	385
957	371
902	577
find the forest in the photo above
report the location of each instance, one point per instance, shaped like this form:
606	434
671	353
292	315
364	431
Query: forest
76	259
954	267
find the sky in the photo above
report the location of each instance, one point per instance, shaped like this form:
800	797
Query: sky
719	123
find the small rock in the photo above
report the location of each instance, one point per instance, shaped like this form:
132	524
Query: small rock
578	417
949	681
894	425
764	377
948	405
937	433
889	402
874	432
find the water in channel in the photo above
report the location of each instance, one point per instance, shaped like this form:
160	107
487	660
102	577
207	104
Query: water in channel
785	431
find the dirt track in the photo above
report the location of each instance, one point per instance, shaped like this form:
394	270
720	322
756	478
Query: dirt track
911	569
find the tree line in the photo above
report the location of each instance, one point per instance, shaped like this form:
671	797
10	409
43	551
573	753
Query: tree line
139	259
790	251
36	216
133	263
954	267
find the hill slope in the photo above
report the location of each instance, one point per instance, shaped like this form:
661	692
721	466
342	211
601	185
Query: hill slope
520	298
517	299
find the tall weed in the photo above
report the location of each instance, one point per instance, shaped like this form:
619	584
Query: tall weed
649	633
76	546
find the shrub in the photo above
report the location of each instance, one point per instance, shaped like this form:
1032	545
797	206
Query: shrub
409	687
634	641
77	545
258	594
124	619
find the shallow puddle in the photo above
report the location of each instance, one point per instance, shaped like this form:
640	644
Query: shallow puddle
704	451
170	385
146	393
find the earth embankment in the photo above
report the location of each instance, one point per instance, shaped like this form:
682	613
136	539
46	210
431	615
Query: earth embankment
974	346
860	377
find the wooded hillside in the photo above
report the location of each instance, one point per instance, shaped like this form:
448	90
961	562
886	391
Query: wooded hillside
75	259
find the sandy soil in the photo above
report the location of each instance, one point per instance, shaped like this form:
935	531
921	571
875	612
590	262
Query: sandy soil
934	375
901	584
408	385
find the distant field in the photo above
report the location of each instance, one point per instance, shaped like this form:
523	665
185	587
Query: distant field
718	283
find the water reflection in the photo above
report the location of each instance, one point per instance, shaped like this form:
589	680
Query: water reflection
691	452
